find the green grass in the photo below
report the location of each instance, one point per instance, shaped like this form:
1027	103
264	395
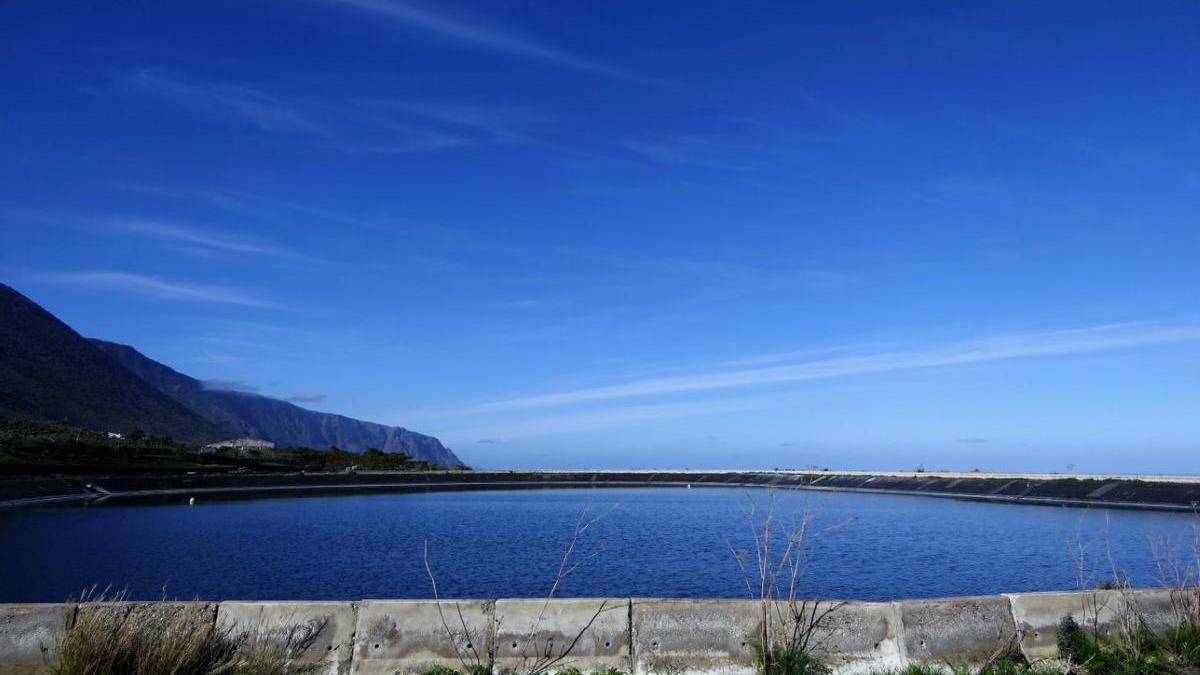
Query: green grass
35	447
1184	642
1139	654
1017	666
1004	666
441	670
1083	653
914	669
787	661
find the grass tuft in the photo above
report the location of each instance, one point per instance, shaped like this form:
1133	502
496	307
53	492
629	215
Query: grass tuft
108	636
785	661
1184	642
1139	653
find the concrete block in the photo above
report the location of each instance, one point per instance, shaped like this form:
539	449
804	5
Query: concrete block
407	637
959	631
588	634
29	635
671	637
1037	616
323	631
1162	608
120	611
852	637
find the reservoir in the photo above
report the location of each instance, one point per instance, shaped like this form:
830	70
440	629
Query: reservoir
639	542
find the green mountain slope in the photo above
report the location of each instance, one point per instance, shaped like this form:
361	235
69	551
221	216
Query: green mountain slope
287	425
50	372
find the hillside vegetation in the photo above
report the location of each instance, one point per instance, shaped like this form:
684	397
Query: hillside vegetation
50	372
288	425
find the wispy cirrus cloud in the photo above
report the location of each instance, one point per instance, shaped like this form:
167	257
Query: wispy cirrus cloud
235	101
365	131
967	352
349	127
795	355
476	34
600	419
147	286
679	150
244	203
204	239
502	124
278	210
718	272
357	125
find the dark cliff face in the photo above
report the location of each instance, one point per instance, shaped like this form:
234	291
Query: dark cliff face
243	414
50	372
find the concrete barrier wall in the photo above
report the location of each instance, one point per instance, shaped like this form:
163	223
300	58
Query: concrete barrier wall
639	636
590	634
408	637
29	635
323	632
695	636
957	630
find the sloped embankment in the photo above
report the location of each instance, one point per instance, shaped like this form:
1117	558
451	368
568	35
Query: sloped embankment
1160	493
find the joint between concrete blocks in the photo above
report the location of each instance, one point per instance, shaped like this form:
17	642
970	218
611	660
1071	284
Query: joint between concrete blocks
898	618
631	636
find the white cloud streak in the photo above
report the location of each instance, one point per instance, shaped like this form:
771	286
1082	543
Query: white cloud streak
684	151
475	35
967	352
497	123
237	101
203	238
257	206
158	288
600	419
346	127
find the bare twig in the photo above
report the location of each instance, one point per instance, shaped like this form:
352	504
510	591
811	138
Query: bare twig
544	660
789	625
475	663
533	661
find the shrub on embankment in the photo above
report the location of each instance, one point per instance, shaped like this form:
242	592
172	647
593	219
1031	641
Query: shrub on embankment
1081	652
107	636
1137	652
1004	666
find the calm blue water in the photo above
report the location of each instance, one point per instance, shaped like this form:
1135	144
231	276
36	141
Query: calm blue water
649	542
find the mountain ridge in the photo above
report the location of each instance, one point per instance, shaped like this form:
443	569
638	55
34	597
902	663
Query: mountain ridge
272	419
48	371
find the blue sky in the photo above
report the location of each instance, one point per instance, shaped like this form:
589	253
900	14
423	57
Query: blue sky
864	235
